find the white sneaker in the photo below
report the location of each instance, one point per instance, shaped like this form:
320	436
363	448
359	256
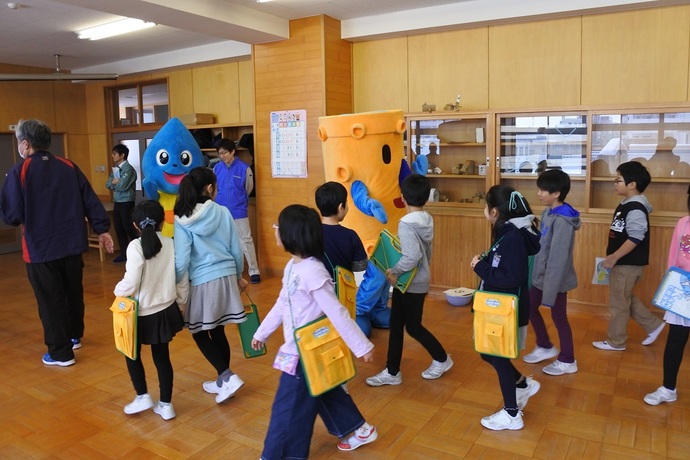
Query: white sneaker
437	368
211	387
384	378
652	336
165	410
540	354
229	388
502	420
523	394
140	404
662	394
559	368
604	345
363	435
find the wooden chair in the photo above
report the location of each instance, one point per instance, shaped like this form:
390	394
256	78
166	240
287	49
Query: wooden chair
93	241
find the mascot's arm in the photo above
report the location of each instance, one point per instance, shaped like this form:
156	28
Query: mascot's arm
368	206
420	165
150	190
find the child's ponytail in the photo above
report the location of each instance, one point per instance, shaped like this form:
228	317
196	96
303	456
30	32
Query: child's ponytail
148	217
191	188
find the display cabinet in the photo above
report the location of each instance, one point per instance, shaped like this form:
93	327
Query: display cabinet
229	131
658	139
531	143
458	153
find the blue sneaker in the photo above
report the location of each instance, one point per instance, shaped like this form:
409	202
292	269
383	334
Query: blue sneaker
48	361
76	344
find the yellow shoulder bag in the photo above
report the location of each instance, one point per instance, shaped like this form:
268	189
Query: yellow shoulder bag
326	360
125	314
496	324
125	311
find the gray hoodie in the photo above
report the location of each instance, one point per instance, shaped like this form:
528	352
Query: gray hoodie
553	270
416	232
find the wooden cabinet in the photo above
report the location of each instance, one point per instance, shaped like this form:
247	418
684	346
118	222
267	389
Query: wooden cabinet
659	139
587	143
530	143
229	131
457	151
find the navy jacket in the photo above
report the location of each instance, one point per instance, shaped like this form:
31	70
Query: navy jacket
51	198
505	268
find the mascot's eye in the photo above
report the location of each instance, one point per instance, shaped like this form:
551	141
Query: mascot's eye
185	158
386	154
162	157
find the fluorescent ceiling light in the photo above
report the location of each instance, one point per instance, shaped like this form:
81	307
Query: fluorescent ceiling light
111	29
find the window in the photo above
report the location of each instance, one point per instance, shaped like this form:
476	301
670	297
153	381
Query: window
138	104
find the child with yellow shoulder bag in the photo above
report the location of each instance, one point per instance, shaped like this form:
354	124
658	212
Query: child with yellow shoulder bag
307	295
150	276
504	269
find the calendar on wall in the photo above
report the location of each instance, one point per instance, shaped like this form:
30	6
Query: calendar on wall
289	143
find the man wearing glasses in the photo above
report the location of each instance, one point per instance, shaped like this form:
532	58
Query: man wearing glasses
235	183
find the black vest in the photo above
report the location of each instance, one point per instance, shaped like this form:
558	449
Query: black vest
618	235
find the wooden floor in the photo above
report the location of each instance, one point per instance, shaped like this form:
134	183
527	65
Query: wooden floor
76	412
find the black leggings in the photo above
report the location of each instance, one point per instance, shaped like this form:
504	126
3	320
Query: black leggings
673	353
508	375
215	347
406	314
161	358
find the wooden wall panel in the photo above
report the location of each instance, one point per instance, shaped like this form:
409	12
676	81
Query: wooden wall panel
30	99
381	75
535	64
70	105
26	99
246	89
98	154
289	75
181	92
79	151
456	240
338	69
95	108
636	57
221	92
456	62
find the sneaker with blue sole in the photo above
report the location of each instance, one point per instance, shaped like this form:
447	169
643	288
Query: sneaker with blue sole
48	361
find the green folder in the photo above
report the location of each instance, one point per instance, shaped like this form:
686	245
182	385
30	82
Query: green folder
386	254
247	330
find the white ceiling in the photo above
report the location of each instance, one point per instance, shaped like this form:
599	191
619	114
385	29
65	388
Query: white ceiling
191	31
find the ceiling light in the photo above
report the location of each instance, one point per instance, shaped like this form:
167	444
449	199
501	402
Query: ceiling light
111	29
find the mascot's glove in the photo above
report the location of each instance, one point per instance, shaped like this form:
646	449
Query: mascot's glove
420	165
151	190
368	206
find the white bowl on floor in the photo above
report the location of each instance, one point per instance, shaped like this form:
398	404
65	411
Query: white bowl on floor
459	296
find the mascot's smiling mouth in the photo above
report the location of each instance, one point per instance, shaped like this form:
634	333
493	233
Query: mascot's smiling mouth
174	179
398	202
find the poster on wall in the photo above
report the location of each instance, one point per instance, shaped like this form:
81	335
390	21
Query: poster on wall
289	143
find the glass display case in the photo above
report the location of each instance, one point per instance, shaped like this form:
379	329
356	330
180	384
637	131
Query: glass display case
658	139
456	148
532	143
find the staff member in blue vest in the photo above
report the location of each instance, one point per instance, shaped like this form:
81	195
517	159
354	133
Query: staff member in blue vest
235	183
122	181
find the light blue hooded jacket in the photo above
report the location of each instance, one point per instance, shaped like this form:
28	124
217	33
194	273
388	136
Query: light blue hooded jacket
206	244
